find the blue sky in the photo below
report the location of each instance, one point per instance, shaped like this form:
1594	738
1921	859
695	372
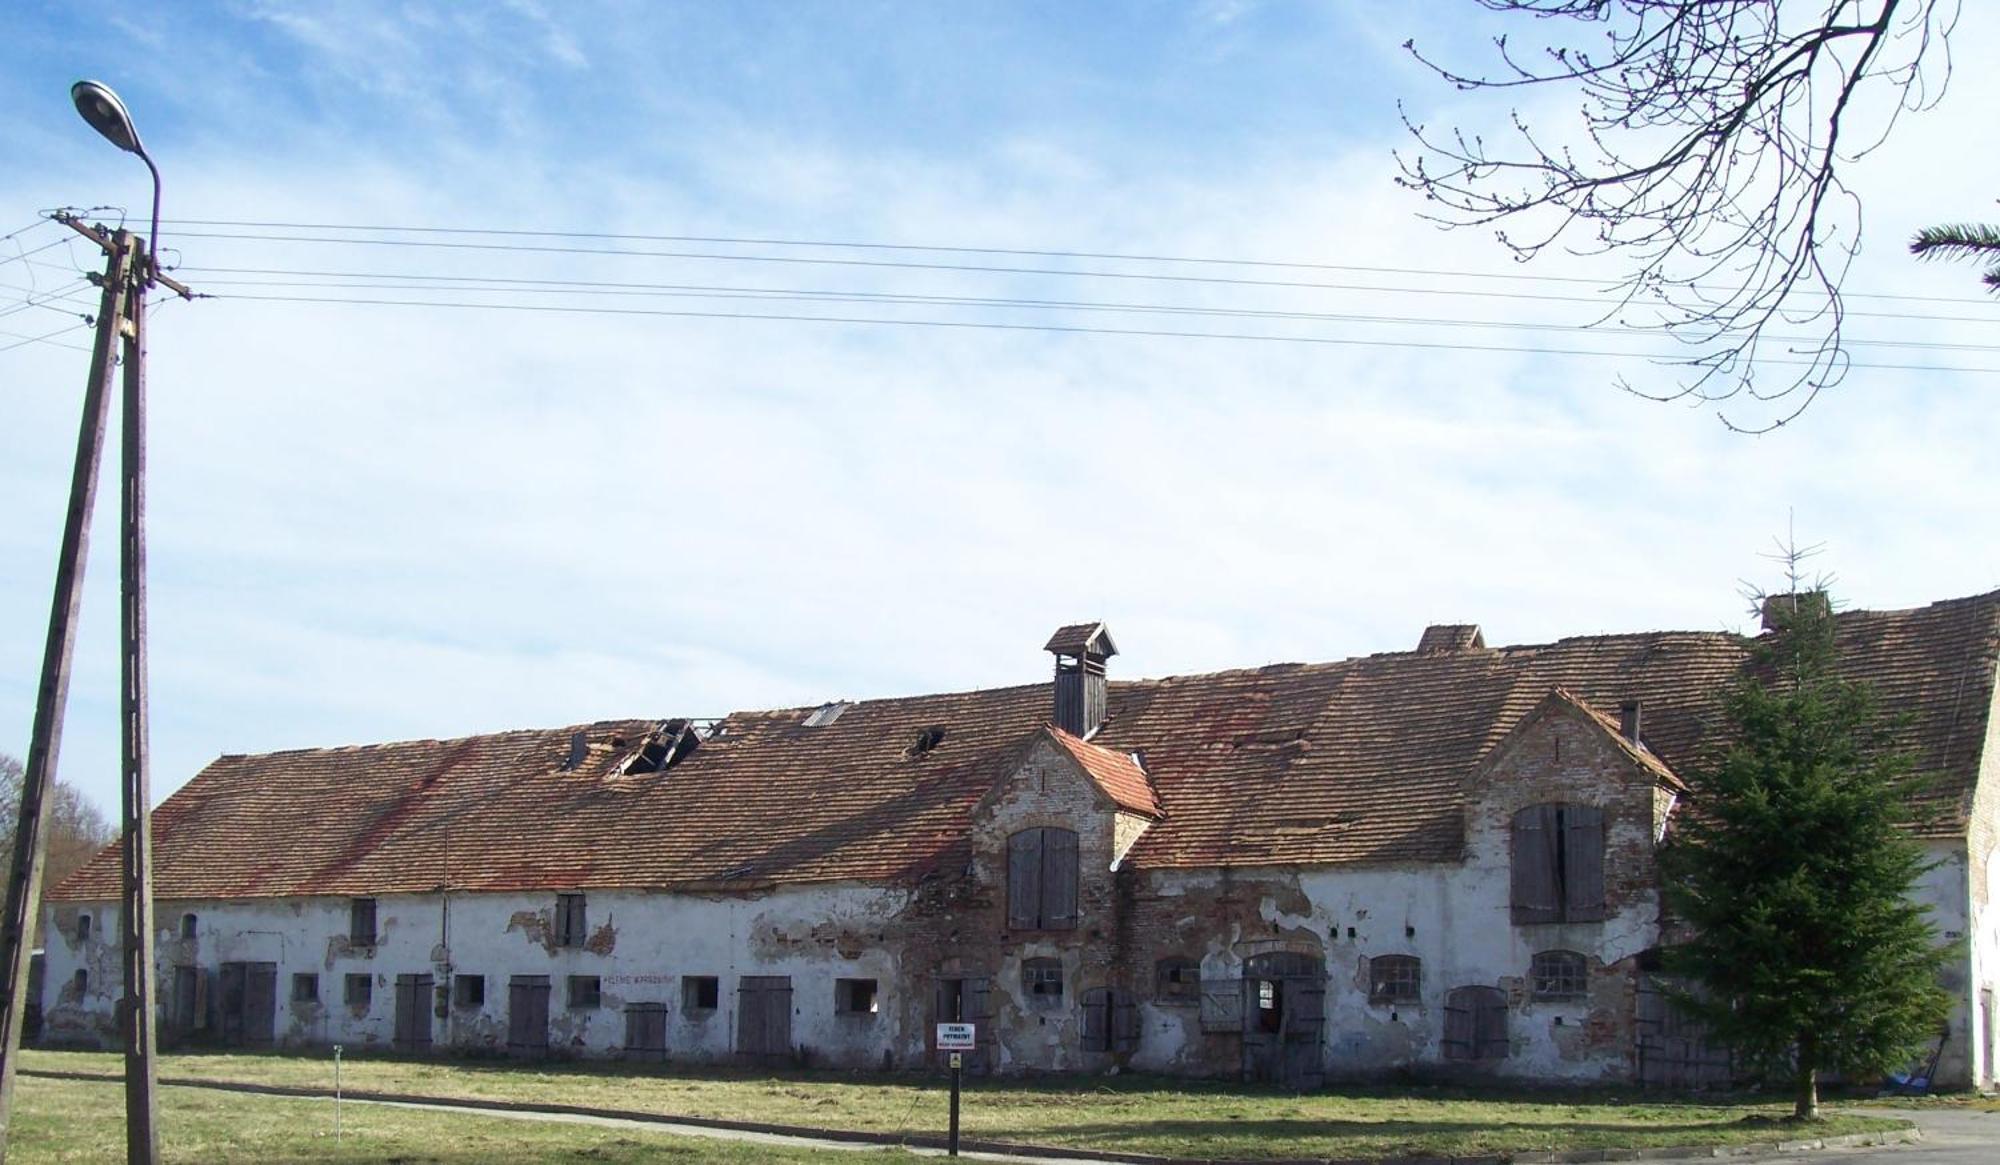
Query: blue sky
379	522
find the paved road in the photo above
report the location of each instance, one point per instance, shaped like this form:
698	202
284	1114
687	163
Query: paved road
1952	1136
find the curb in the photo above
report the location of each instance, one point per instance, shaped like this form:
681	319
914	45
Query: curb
1905	1136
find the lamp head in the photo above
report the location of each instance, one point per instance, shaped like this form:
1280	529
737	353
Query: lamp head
107	115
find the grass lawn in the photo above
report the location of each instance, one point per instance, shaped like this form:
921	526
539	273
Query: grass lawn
1128	1113
68	1120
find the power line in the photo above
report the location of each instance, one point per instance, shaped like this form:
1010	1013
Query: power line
936	248
970	268
506	286
1337	341
46	337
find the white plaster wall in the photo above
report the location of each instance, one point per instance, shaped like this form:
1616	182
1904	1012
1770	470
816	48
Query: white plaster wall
643	944
1944	888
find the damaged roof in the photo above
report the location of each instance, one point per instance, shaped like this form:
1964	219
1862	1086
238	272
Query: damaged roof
1359	761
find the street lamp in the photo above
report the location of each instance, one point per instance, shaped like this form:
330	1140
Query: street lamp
108	116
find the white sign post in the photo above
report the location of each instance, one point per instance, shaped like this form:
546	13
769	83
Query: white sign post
956	1038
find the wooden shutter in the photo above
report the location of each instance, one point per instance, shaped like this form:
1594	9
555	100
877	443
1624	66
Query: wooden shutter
1536	891
646	1031
1221	1005
1460	1030
1583	863
1490	1025
1097	1020
1024	880
1059	869
1124	1022
979	1003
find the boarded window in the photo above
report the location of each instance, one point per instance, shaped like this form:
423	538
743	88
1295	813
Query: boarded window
1042	983
1558	864
1558	975
1395	979
963	1001
1177	980
570	925
528	1016
1222	1005
1110	1021
700	993
470	990
854	996
1475	1024
585	992
361	922
1042	879
305	987
646	1031
359	991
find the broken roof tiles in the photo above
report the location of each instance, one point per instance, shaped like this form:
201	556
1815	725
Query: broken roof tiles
1372	753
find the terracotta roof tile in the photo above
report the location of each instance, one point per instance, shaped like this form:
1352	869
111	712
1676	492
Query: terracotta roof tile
1359	761
1117	773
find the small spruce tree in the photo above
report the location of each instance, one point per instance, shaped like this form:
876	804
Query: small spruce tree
1791	871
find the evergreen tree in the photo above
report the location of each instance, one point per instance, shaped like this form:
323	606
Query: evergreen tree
1792	870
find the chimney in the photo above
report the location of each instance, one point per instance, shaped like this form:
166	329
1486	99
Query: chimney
1629	720
1080	650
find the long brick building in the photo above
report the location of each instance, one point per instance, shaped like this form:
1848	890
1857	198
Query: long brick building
1434	860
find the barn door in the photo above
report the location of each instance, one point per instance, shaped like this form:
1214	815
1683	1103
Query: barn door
257	1019
528	1016
1672	1049
764	1016
182	1005
1305	1032
413	1013
1284	1019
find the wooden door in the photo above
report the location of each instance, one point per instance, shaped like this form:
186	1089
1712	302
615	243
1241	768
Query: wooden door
249	1004
1284	1019
413	1013
764	1016
528	1016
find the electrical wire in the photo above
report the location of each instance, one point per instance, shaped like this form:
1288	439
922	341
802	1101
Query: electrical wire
1067	329
934	248
505	286
46	337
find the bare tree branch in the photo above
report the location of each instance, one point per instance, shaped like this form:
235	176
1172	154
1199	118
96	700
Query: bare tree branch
1708	157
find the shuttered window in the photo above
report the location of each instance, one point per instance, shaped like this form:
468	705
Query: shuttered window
1475	1024
1041	879
1110	1021
360	921
1558	864
646	1031
570	926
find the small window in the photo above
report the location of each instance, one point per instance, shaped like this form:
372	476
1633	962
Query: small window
187	925
81	982
854	996
83	928
1178	980
1559	975
1110	1021
361	922
585	991
1395	979
699	992
360	990
305	987
1042	982
470	990
570	927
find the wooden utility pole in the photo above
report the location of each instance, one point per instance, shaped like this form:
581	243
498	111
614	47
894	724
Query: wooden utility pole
120	321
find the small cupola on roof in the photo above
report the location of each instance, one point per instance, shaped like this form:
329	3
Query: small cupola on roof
1080	650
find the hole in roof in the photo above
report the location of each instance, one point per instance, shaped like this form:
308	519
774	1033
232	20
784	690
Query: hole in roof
926	740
